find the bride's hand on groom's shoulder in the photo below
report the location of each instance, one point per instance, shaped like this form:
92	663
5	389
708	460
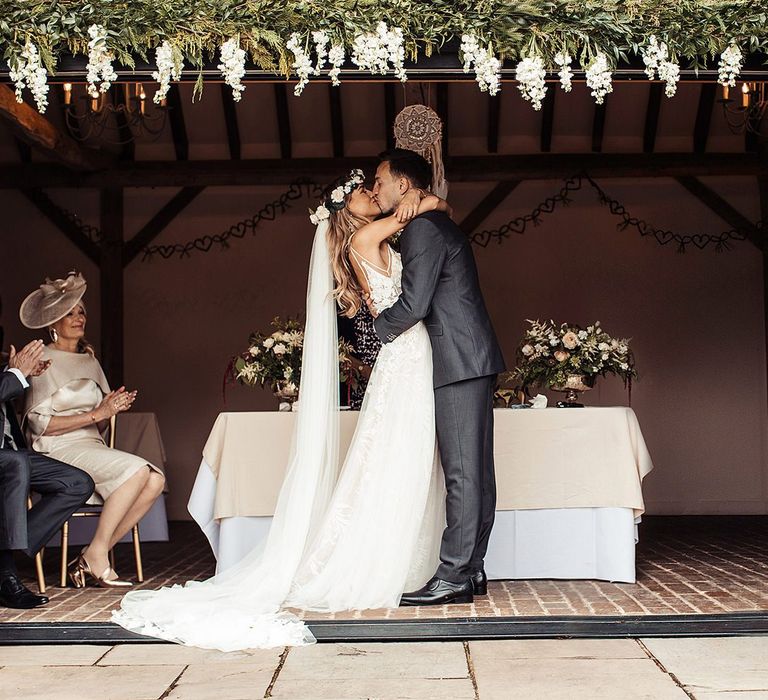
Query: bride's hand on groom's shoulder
409	206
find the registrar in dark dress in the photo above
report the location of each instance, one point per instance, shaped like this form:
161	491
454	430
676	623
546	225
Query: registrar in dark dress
360	332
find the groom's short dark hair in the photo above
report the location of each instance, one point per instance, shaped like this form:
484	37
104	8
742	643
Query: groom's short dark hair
410	165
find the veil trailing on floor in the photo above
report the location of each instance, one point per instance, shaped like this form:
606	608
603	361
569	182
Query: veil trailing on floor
241	607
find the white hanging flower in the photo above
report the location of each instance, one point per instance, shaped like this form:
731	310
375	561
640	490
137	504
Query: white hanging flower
99	62
487	67
169	65
730	64
336	58
375	51
530	74
669	72
320	214
302	63
563	60
232	66
29	72
598	77
656	58
321	48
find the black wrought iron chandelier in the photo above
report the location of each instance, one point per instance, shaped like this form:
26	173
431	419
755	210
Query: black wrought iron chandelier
115	118
745	108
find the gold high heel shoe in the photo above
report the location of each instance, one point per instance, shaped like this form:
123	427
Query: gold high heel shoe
82	569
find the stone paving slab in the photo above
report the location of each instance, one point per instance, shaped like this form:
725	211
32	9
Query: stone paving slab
715	664
87	682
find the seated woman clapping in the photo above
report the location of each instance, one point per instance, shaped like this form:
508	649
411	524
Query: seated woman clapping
67	414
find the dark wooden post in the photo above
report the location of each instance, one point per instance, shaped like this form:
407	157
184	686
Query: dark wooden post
111	268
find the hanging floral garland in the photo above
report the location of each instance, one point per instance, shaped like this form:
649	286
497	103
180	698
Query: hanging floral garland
545	38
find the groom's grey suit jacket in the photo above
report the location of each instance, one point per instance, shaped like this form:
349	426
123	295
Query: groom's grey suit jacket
441	287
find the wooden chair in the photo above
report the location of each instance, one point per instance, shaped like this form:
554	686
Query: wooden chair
38	561
94	510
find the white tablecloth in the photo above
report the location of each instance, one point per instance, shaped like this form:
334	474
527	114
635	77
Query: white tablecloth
569	483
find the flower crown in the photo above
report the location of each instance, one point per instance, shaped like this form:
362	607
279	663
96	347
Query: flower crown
335	201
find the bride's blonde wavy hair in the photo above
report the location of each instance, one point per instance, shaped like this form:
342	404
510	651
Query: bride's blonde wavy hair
341	225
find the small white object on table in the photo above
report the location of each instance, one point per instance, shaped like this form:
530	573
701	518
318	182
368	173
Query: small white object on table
569	489
139	434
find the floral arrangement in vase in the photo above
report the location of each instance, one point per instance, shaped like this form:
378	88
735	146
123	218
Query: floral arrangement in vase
274	359
569	358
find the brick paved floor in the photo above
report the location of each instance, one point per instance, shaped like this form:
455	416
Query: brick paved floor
686	565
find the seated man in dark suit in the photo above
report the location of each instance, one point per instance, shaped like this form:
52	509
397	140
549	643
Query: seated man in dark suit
63	489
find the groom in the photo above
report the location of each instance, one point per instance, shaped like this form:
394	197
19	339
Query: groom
441	288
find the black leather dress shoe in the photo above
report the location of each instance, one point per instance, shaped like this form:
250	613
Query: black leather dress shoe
479	583
439	592
14	594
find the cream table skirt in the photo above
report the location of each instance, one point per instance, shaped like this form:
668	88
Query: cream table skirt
569	489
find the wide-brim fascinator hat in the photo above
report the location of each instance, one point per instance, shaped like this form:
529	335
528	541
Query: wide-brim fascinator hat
52	301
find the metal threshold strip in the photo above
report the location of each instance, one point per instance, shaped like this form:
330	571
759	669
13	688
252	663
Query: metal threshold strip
433	630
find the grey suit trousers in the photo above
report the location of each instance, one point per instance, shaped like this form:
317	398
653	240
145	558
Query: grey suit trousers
464	419
62	488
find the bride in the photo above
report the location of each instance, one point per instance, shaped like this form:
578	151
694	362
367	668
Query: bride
341	539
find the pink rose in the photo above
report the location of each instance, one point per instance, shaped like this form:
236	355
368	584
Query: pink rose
570	340
562	355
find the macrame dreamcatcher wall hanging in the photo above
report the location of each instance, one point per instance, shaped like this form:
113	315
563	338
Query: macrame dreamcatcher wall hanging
419	128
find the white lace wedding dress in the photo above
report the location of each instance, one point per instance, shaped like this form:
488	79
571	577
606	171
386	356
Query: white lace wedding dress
354	539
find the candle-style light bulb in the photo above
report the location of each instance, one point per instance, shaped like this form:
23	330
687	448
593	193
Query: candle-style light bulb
726	90
67	93
142	100
745	95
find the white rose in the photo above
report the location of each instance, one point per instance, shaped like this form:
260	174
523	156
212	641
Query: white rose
553	341
268	343
253	350
582	335
337	195
603	347
279	349
527	350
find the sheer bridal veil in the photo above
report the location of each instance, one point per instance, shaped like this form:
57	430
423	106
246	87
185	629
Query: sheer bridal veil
241	607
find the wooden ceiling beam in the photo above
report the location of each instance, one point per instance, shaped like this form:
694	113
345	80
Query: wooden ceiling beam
178	125
487	205
283	120
124	133
598	128
43	203
157	224
722	208
230	122
547	120
652	111
277	172
389	115
33	128
494	118
337	121
703	117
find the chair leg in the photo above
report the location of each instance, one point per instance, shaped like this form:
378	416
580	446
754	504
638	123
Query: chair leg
64	553
137	554
39	569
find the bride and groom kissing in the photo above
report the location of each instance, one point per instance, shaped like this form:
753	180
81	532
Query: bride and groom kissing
407	518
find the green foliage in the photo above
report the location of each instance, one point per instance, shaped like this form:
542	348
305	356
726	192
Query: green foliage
692	29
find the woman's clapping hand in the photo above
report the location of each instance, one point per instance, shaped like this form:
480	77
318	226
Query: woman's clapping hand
115	402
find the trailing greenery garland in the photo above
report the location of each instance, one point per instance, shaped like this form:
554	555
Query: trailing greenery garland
694	30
